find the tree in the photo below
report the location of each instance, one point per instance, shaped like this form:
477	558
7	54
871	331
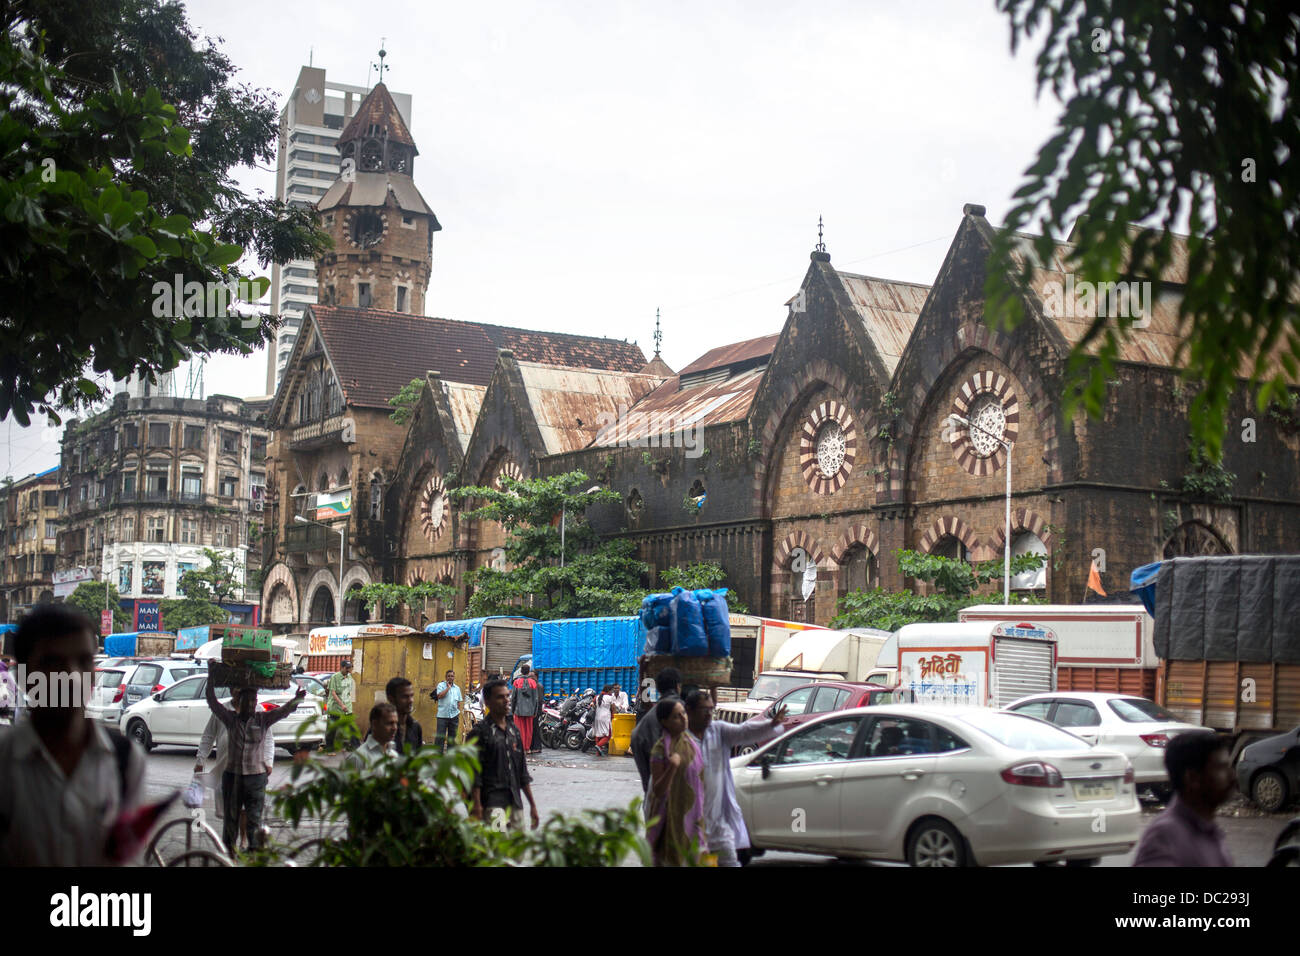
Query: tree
701	574
119	132
597	575
1174	113
415	597
88	598
203	591
404	401
957	583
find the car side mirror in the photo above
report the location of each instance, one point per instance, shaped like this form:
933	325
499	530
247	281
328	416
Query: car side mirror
766	764
157	697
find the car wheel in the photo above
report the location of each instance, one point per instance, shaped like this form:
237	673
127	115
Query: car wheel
1269	791
1162	792
935	843
138	731
746	750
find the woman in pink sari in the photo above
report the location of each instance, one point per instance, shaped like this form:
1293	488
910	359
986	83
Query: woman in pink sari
676	833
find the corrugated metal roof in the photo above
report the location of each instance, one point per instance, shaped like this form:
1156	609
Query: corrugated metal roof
568	403
376	352
670	408
465	401
888	310
372	189
733	354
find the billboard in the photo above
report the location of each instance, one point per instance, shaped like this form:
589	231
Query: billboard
65	582
147	616
335	505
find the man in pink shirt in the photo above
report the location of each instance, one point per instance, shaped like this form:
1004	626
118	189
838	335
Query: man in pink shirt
1200	773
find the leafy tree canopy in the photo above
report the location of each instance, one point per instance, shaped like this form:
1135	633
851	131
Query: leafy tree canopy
1177	116
203	590
404	402
88	598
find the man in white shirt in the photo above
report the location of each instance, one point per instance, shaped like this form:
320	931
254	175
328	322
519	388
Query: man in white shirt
64	782
723	819
379	744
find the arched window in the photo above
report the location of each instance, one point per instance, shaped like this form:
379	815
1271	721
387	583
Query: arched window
802	569
335	396
323	482
950	546
1026	542
301	500
345	478
1194	539
376	498
322	606
857	570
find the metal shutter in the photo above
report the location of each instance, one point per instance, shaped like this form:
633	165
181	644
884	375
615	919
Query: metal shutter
1023	667
504	645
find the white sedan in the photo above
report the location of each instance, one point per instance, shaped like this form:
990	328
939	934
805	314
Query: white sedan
1138	728
937	786
178	715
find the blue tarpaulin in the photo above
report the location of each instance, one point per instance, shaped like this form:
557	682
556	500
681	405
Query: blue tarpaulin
599	642
473	626
121	645
1143	582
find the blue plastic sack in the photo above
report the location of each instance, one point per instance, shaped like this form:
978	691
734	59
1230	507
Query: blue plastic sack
689	637
717	620
656	618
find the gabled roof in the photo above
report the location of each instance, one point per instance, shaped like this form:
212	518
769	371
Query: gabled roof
569	405
671	408
378	109
375	352
888	310
372	189
463	401
750	350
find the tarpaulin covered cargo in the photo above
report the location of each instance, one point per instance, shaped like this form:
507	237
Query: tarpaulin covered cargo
473	626
120	645
1232	608
594	642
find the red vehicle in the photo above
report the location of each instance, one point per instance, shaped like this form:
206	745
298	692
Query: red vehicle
812	700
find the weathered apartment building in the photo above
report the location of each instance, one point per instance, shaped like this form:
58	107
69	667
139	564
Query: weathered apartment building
152	480
29	511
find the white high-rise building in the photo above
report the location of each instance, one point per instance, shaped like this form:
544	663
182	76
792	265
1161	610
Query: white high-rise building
307	163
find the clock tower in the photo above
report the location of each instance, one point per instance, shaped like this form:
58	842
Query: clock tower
381	226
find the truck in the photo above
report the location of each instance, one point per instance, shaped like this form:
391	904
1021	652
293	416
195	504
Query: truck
807	656
139	644
1227	632
1099	647
755	642
495	643
977	663
571	655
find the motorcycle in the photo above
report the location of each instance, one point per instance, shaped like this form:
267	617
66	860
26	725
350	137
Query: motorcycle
548	728
575	723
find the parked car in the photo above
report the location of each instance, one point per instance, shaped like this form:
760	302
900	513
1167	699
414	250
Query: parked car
157	674
806	702
179	714
106	696
315	686
1268	772
938	786
1139	728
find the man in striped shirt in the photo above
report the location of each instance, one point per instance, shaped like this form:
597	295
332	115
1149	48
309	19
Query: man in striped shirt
243	785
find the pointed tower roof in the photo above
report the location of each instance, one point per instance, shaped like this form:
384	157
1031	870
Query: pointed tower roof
378	109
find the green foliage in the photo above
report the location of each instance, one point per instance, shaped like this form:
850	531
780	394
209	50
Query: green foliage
1208	479
88	598
702	574
203	590
404	402
411	810
1173	114
413	596
597	575
957	583
188	612
754	448
109	163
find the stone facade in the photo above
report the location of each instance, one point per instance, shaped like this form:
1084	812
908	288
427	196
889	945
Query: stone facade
28	535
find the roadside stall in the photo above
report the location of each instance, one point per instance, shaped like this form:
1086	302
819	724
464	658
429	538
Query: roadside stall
327	647
381	652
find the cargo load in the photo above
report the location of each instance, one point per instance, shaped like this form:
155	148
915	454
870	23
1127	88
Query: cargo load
570	655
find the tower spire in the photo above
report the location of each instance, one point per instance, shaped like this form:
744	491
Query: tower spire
380	65
659	336
821	246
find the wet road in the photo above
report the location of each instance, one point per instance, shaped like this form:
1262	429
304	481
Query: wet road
568	781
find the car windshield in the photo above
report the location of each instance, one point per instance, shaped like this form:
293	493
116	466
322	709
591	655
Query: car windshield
771	686
1136	710
107	678
1023	733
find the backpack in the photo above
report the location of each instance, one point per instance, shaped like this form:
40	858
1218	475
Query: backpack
526	698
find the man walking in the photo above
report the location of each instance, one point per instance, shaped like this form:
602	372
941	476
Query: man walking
64	781
648	731
342	691
504	779
724	823
381	741
523	704
243	785
448	696
410	735
1185	834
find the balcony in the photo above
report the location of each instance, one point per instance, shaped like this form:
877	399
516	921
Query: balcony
299	538
317	434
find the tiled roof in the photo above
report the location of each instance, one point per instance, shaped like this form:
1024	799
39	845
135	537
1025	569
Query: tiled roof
378	108
375	352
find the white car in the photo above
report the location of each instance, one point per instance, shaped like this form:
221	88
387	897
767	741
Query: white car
105	703
1138	728
937	786
178	715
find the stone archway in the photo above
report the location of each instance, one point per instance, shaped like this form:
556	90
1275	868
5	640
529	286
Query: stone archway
948	526
1194	539
784	601
279	580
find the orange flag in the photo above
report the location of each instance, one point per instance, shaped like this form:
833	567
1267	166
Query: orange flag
1094	580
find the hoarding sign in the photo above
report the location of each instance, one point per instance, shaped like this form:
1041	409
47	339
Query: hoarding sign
337	505
147	616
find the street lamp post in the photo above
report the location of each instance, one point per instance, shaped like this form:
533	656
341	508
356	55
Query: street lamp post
342	533
563	506
1006	547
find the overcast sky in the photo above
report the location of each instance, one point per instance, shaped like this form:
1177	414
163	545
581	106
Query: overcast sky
593	161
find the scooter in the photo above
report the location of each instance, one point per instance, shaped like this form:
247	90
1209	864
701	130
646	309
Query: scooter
580	721
548	728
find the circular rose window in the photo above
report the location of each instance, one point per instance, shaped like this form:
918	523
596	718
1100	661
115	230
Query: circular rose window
989	404
433	508
827	447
